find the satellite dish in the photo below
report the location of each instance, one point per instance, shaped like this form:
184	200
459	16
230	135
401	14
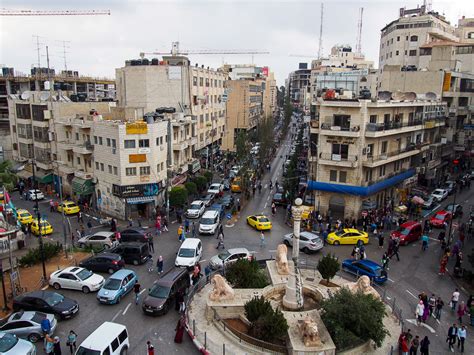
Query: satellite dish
44	95
398	96
431	95
384	95
410	96
25	95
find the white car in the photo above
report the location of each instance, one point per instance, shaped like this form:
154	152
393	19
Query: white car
309	242
76	278
189	253
34	195
215	189
227	257
104	239
439	194
10	344
196	209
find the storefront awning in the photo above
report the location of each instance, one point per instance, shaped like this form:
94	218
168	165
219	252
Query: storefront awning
24	174
140	200
46	179
82	186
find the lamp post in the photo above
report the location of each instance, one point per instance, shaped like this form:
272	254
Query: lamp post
35	185
455	162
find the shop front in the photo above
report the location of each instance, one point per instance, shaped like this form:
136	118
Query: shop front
140	200
82	189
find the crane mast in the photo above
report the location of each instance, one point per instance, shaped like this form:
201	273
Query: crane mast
5	12
359	32
320	48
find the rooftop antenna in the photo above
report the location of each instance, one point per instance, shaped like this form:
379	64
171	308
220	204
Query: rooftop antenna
320	49
38	49
358	48
65	46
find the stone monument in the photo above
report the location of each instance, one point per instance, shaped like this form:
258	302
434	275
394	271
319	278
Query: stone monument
293	299
221	289
282	260
362	285
310	333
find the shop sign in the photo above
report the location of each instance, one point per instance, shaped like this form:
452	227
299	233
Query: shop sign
179	179
144	178
136	128
141	190
137	158
194	166
144	150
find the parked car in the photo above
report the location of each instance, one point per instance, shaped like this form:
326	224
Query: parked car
76	278
347	236
196	209
68	207
132	253
429	203
209	222
365	267
220	208
259	222
47	302
440	218
408	232
27	325
46	227
108	339
450	186
309	242
454	209
279	199
103	262
208	199
226	184
439	194
215	189
227	201
227	257
103	239
10	344
117	286
24	217
133	234
34	195
189	253
161	296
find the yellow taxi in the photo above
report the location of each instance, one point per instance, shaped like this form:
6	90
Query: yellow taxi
69	207
259	222
347	236
24	217
235	186
46	227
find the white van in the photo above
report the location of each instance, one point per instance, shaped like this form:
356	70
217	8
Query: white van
209	222
109	339
189	253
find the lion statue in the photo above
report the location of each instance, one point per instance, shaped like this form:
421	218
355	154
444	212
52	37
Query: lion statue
222	290
309	330
282	260
362	285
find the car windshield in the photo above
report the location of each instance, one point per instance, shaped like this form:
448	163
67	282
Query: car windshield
263	219
45	224
195	206
84	274
84	351
69	204
438	192
224	255
439	216
112	284
26	214
54	298
404	231
186	253
160	291
450	207
38	317
214	187
207	220
7	342
340	233
277	196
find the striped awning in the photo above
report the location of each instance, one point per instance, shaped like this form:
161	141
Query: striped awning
140	200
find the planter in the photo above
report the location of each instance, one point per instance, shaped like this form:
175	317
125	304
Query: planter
328	284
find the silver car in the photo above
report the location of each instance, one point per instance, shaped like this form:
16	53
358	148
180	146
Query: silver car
309	242
229	256
10	344
27	325
105	239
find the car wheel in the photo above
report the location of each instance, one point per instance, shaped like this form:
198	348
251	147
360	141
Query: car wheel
118	299
86	289
165	308
135	262
287	243
56	286
106	246
34	337
336	242
305	250
111	271
124	351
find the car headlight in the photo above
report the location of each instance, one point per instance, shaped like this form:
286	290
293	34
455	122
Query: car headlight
65	312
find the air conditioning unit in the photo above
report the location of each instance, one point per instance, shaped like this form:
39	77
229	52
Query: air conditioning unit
422	170
368	150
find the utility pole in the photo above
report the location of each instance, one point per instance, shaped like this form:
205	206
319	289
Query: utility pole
169	164
455	162
38	216
38	49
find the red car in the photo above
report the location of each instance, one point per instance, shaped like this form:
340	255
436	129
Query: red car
439	218
408	232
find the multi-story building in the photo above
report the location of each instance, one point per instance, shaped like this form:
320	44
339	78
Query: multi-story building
193	90
343	57
362	153
299	86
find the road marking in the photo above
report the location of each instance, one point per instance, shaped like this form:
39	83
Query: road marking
45	287
126	308
389	298
412	294
413	321
264	207
116	315
230	225
438	321
142	291
389	279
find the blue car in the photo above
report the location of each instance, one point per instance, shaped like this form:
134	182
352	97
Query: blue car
365	267
117	286
219	208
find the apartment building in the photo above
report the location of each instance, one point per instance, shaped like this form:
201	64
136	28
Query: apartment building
192	90
363	153
343	57
298	86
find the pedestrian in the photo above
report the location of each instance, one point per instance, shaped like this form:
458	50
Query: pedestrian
165	224
443	263
381	239
220	242
136	289
186	225
207	272
415	343
113	225
262	239
51	205
355	253
157	227
139	221
180	300
180	327
452	334
150	263
71	341
180	232
404	345
425	346
396	246
48	345
362	254
238	204
159	265
83	231
221	229
454	299
45	325
424	242
130	222
438	308
462	310
432	304
150	348
78	234
151	245
79	217
89	226
385	260
462	333
57	346
420	309
273	208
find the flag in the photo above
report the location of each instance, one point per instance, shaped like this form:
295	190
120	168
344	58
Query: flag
6	196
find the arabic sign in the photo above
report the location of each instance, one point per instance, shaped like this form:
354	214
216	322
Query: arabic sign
136	128
136	190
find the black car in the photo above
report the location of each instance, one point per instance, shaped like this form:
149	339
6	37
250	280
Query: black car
103	262
227	201
279	199
132	253
208	199
133	235
47	302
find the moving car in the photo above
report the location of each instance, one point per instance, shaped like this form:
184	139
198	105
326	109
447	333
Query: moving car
117	286
208	199
189	253
235	186
24	217
162	294
34	195
347	236
365	267
10	344
104	239
454	209
439	218
215	189
220	208
279	199
76	278
259	222
132	253
103	262
227	201
46	227
209	222
229	256
196	209
108	339
450	186
309	242
226	184
47	302
439	194
408	232
133	234
27	325
429	203
68	207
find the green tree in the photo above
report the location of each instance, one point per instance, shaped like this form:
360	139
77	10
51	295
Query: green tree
241	146
266	323
201	183
178	196
209	176
328	266
246	274
191	188
353	318
256	307
7	178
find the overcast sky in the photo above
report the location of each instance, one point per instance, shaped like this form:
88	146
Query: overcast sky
99	44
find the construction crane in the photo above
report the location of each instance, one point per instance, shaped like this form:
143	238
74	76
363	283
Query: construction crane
301	55
358	48
6	12
320	49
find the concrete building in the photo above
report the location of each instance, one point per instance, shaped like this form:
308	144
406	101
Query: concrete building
363	153
298	86
343	57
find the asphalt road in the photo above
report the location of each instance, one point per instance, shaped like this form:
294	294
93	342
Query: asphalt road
416	272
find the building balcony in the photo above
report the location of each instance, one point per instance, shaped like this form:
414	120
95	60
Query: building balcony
344	131
435	122
447	36
180	146
66	145
382	159
348	161
376	130
25	139
86	148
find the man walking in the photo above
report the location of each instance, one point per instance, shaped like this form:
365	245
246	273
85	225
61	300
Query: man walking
262	239
220	243
136	289
159	265
151	245
79	217
454	299
432	304
439	307
461	337
396	246
452	334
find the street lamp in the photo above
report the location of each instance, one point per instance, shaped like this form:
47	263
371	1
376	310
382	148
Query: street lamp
35	186
455	162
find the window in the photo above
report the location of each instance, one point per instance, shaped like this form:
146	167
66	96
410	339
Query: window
195	80
102	166
100	141
414	39
144	170
370	150
130	171
114	143
397	52
342	176
95	139
201	81
129	143
382	171
115	170
368	175
391	41
412	53
340	149
406	52
78	160
343	121
373	119
406	38
115	344
122	336
108	142
333	175
97	165
143	143
110	169
398	38
397	165
384	147
23	111
38	112
77	136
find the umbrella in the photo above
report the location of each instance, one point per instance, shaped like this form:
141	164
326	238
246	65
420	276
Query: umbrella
418	200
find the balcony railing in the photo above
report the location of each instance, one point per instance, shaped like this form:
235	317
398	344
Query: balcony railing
387	155
331	127
337	157
378	127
